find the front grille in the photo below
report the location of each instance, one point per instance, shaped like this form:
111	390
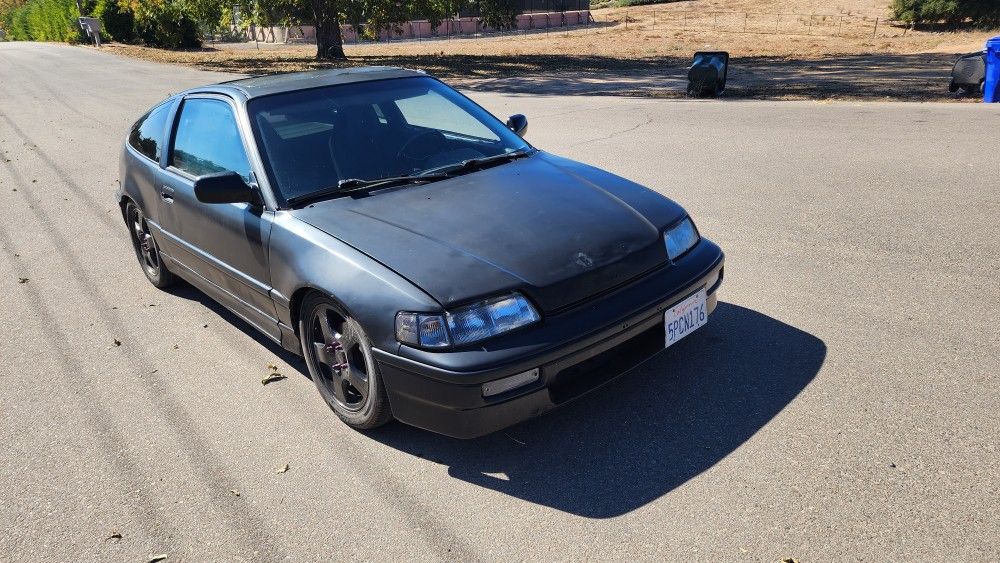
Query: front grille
606	291
602	368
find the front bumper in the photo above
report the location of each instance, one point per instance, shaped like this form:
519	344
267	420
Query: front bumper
442	392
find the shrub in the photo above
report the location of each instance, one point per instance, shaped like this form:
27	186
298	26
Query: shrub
45	20
164	23
983	13
499	14
118	22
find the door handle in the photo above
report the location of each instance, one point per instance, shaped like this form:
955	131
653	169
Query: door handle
167	193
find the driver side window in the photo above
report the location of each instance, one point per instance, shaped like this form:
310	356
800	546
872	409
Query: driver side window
207	140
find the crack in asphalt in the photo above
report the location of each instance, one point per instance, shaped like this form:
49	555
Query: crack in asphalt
616	133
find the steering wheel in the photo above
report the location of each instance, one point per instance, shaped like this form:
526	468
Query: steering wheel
423	145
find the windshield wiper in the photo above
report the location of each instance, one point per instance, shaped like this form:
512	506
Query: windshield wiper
480	163
354	185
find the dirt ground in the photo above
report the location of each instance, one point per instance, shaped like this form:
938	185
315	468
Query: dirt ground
790	49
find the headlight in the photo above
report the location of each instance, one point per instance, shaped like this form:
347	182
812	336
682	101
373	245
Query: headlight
680	238
468	324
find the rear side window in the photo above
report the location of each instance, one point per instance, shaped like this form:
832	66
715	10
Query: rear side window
147	133
208	141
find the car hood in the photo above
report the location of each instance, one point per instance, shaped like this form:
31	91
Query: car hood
555	229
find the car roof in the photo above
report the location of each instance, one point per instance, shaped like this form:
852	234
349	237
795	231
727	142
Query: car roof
257	86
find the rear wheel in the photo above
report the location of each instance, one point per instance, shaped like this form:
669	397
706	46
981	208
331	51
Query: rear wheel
339	357
146	249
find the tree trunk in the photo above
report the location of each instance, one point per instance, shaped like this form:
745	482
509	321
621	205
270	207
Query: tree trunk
329	42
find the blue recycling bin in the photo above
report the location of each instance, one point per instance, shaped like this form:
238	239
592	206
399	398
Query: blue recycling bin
991	86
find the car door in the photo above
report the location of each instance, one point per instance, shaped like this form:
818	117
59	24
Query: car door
224	245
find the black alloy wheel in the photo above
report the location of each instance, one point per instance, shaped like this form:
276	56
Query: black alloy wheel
339	357
146	249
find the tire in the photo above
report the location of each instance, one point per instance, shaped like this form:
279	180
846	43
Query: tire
338	354
953	87
147	250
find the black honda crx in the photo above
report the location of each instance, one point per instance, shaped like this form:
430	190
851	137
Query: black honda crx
429	264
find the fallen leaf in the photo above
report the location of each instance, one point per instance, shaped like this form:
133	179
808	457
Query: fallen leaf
117	342
34	181
272	378
204	326
789	560
235	492
285	469
157	558
177	346
272	367
114	536
22	280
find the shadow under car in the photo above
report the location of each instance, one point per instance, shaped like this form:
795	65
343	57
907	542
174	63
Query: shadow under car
637	438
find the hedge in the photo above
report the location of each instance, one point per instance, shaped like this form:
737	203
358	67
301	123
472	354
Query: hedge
44	20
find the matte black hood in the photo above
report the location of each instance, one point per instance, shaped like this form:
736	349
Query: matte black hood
555	229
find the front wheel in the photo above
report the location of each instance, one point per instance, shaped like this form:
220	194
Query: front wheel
146	249
339	357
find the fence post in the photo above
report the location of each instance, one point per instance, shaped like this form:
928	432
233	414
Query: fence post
654	20
626	18
840	30
875	33
715	24
777	20
811	23
746	20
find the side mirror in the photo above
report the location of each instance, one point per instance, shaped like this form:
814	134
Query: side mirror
518	124
225	187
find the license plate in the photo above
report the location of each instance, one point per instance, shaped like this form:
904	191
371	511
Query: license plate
683	318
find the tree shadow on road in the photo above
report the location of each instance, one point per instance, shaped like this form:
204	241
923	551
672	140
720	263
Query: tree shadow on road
914	77
874	76
629	443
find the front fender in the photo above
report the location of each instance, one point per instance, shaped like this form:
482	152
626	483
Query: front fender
303	257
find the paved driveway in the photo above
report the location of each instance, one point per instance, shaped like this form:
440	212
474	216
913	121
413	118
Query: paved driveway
840	404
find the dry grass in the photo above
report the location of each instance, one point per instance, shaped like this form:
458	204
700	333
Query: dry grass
896	64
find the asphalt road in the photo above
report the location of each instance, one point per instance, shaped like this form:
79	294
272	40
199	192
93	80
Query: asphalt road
841	404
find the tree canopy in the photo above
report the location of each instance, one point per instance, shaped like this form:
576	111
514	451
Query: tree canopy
181	23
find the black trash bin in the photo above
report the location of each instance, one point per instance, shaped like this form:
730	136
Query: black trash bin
969	73
707	75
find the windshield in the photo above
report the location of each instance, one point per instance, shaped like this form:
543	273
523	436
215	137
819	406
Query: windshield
313	139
